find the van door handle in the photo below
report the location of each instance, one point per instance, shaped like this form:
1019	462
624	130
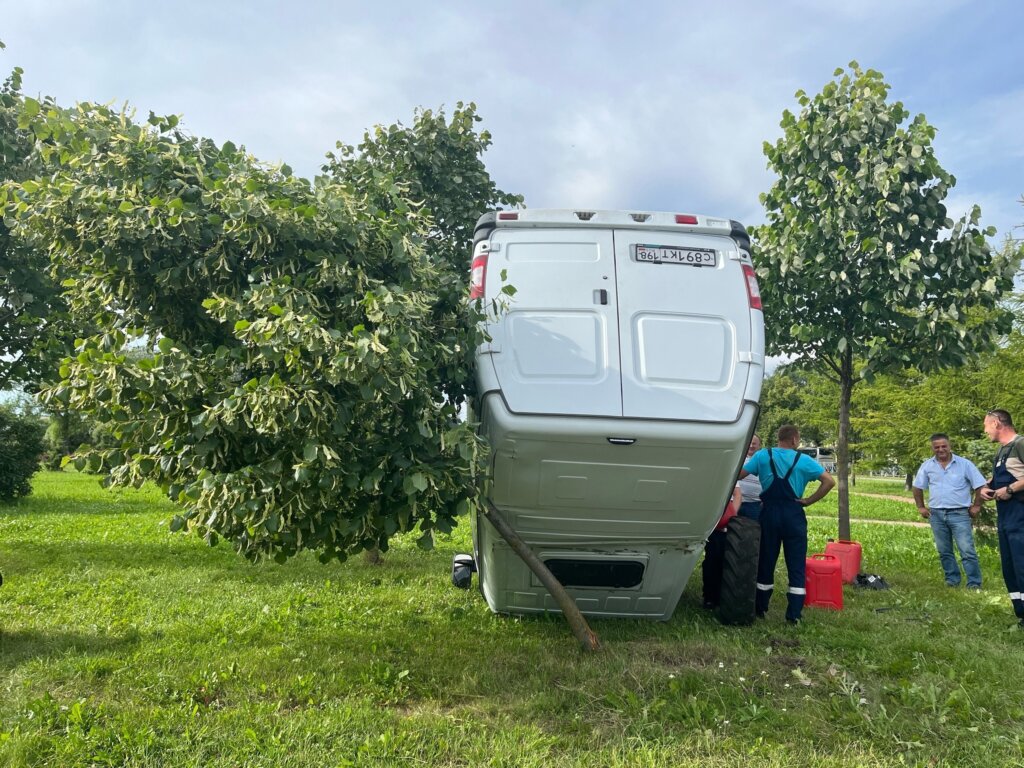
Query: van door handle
600	296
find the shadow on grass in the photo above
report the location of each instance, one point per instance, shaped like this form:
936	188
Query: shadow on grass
19	647
27	557
115	505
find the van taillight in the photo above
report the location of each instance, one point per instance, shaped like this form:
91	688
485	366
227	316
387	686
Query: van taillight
685	218
753	292
477	275
508	216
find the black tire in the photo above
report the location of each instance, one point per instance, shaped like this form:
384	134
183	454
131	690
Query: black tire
739	571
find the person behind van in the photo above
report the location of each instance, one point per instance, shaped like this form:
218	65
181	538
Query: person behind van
784	473
750	486
950	480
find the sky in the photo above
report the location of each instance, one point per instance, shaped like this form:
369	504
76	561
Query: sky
659	105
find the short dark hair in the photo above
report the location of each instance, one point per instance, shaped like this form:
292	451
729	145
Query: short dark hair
787	432
1003	417
938	436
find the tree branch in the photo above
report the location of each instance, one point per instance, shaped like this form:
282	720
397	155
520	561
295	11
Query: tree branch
588	640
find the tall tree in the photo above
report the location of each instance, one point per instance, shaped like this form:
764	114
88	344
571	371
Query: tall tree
859	260
303	386
36	330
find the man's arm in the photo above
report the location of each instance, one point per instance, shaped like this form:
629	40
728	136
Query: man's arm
919	500
977	483
827	483
975	508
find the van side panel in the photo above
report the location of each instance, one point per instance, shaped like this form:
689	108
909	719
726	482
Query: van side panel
685	331
555	344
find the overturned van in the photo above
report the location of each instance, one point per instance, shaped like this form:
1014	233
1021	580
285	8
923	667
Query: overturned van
618	391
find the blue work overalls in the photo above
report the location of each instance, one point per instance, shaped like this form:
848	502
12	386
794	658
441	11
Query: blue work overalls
1010	526
783	524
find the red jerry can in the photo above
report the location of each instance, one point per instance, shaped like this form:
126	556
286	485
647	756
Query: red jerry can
848	553
824	582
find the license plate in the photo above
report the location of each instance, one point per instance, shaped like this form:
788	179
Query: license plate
668	254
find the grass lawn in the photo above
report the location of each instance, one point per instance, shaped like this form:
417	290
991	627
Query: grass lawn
122	644
893	486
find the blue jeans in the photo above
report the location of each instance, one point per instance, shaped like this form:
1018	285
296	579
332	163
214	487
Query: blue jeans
949	525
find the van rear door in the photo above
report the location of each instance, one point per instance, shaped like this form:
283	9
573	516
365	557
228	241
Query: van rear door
555	349
685	329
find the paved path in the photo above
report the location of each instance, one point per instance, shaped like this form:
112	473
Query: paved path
891	496
913	523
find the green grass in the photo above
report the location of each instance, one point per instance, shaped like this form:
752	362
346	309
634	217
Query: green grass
124	645
867	508
893	486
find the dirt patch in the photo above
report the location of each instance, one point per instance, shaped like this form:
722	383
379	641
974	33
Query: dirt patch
671	657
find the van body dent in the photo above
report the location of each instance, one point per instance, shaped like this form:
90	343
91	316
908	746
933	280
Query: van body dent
618	392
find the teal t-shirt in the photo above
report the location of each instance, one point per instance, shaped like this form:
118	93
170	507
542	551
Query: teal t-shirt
807	469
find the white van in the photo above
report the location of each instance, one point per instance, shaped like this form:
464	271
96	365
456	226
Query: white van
618	392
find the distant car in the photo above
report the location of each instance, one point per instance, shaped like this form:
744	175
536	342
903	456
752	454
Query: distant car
824	456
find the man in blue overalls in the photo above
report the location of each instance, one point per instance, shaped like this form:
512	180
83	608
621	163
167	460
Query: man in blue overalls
784	473
1007	488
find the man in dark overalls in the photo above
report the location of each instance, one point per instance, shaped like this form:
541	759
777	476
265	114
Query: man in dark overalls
784	473
1007	488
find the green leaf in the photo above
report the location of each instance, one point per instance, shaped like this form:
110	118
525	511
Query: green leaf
419	481
126	207
165	345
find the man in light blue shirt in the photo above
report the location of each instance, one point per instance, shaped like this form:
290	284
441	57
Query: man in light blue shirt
950	481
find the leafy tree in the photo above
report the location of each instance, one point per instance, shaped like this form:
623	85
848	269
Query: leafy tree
304	381
437	161
895	414
785	400
856	262
36	330
21	444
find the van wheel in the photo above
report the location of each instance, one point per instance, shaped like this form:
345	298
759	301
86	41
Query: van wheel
739	571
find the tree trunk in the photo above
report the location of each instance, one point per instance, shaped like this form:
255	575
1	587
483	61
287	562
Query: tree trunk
908	481
65	437
843	449
588	640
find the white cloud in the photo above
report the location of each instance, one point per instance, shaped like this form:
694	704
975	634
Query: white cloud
611	104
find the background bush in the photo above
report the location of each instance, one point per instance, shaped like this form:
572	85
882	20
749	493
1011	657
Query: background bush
21	444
